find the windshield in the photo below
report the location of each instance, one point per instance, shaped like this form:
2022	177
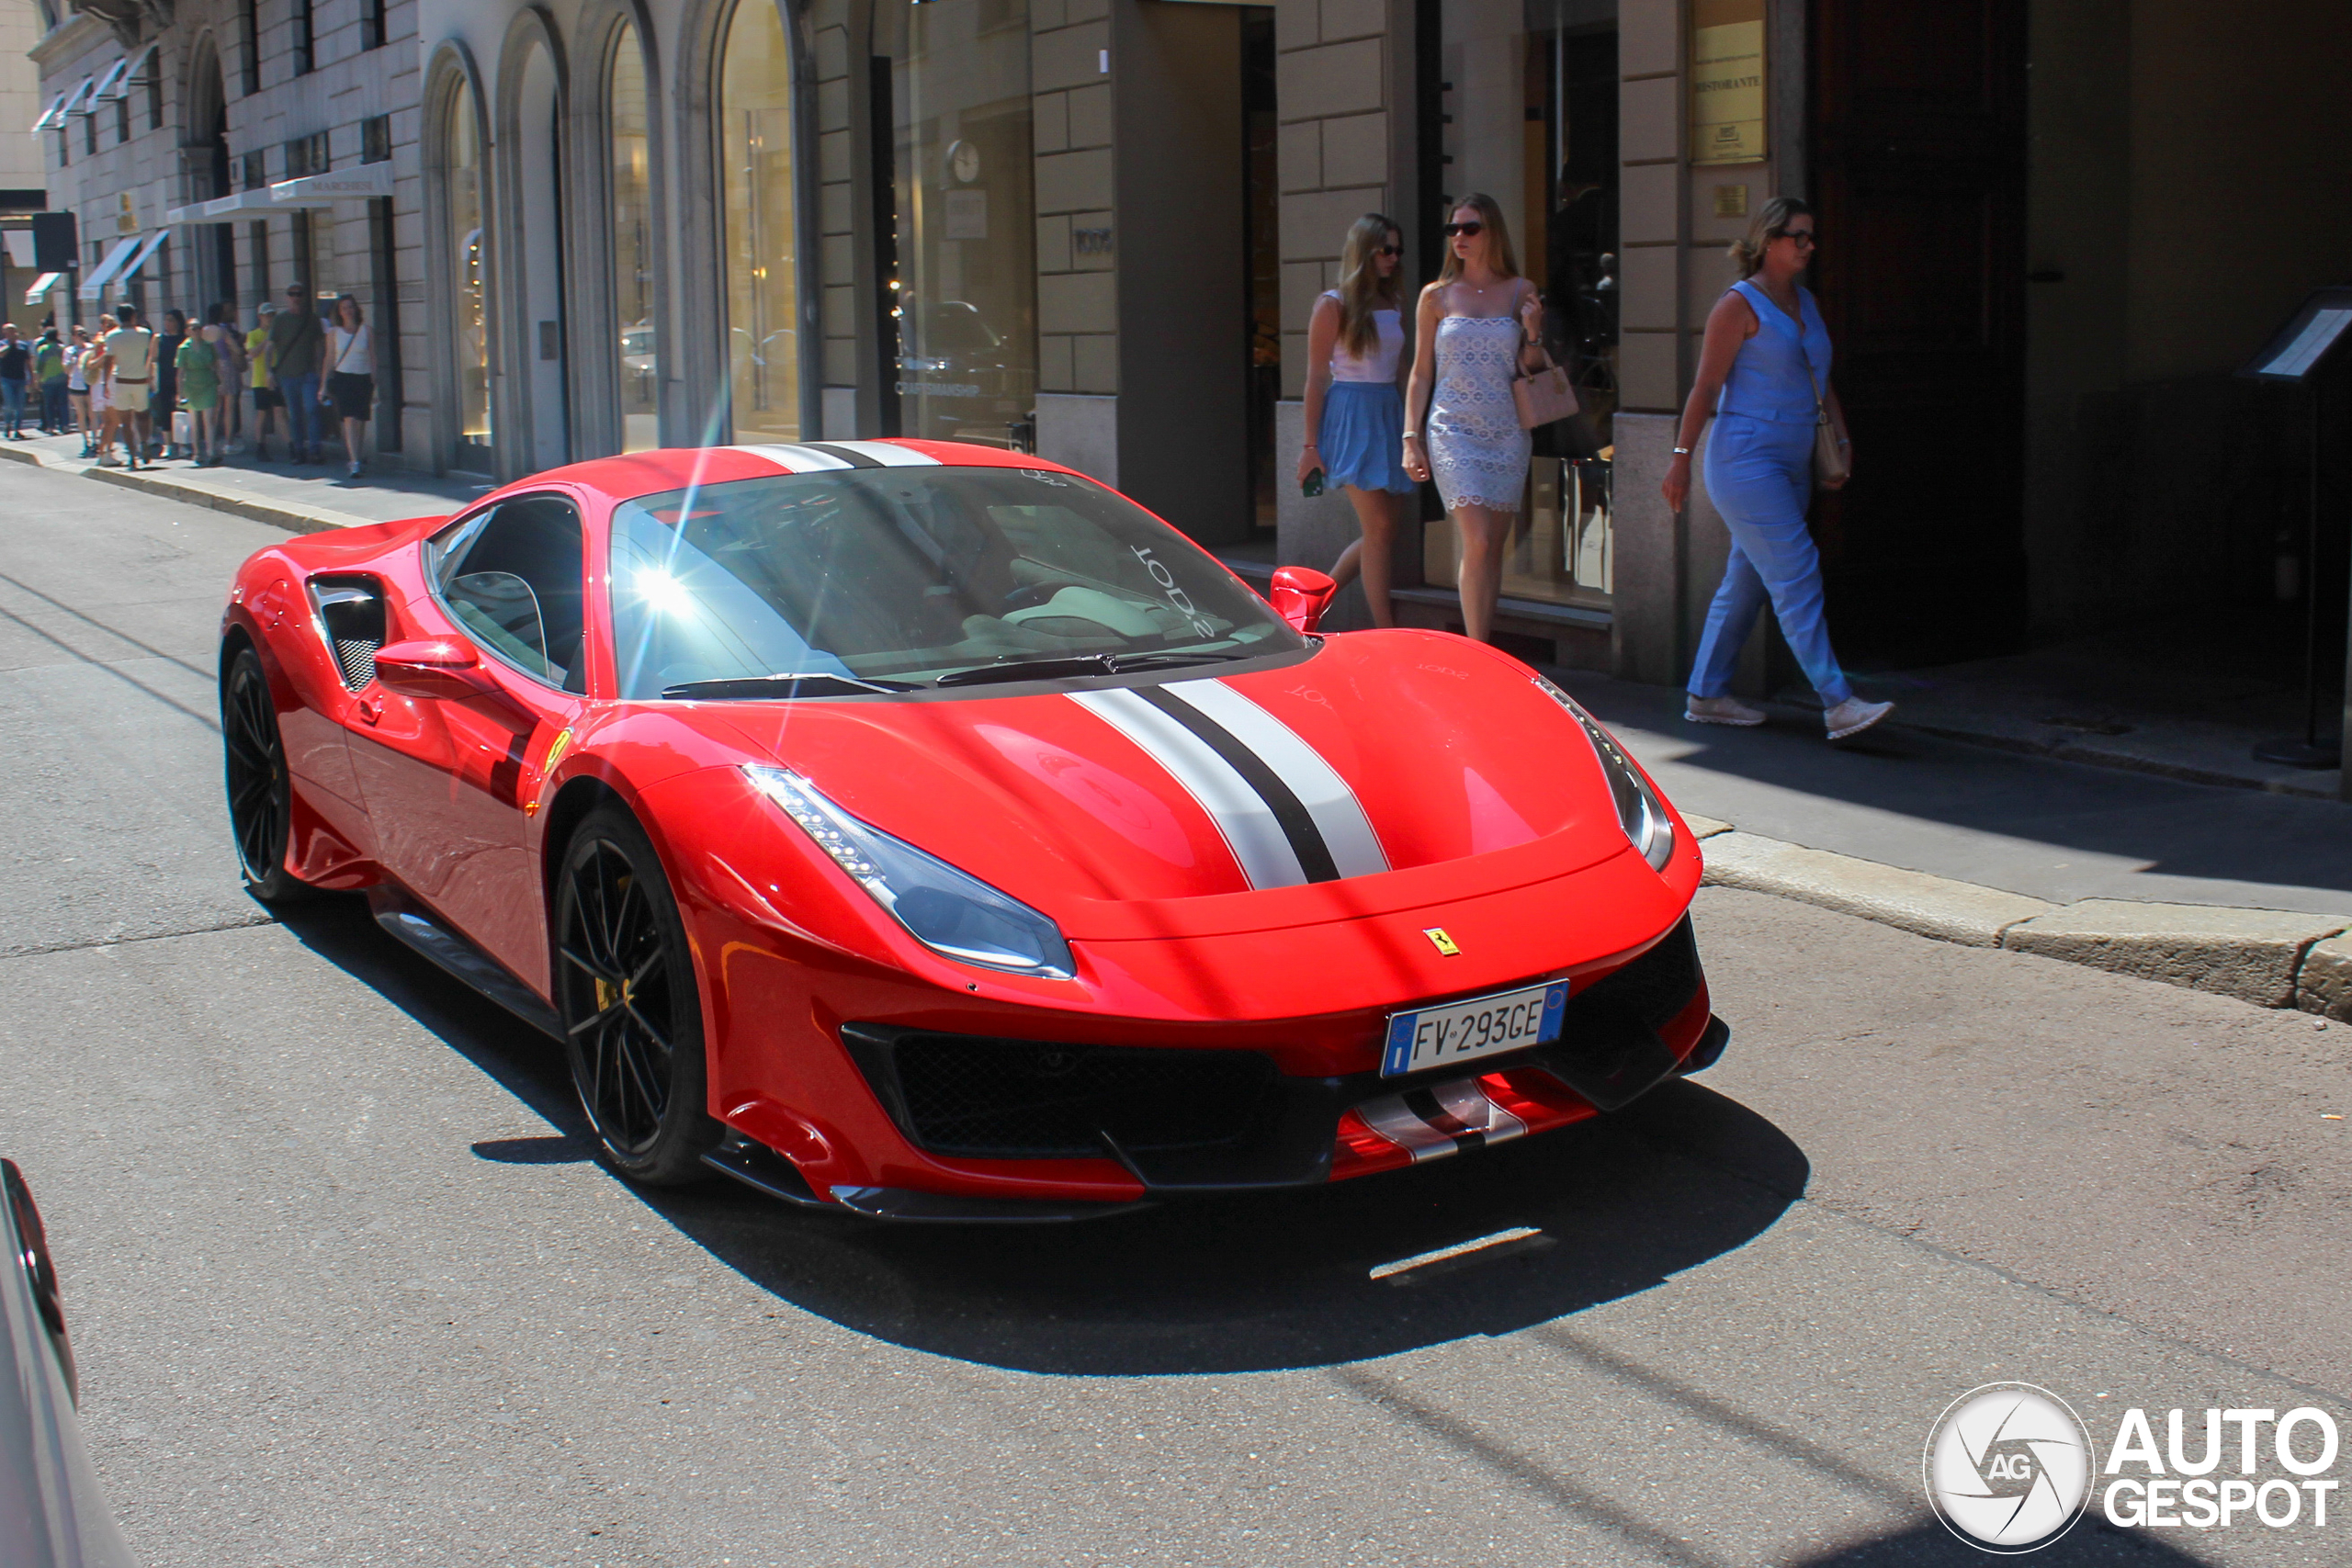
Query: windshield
909	575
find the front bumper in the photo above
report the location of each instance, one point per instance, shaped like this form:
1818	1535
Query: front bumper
1190	1122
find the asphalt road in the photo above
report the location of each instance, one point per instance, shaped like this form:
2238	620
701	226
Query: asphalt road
347	1291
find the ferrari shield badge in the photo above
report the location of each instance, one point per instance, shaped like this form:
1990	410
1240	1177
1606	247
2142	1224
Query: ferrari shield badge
1442	943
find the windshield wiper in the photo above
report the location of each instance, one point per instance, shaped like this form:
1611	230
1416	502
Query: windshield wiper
1075	665
812	684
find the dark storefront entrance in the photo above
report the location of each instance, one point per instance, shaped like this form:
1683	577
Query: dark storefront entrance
1918	158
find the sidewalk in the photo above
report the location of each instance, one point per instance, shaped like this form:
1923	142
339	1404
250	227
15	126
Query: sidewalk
305	499
2223	888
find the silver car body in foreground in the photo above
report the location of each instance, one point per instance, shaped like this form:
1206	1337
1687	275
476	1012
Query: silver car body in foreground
51	1515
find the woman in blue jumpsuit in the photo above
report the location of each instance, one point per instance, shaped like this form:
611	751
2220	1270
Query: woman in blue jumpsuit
1765	350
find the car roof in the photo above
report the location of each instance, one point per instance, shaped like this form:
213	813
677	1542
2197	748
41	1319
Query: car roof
634	474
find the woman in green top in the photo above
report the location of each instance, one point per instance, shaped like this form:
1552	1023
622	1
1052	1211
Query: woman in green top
199	393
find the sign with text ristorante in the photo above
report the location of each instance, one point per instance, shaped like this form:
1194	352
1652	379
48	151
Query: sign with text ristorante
1727	92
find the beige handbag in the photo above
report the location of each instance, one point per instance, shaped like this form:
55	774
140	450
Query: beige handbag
1543	395
1831	465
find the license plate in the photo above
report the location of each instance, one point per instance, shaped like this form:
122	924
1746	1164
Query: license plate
1486	1026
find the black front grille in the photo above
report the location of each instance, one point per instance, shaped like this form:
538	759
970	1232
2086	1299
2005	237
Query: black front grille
1031	1100
1654	987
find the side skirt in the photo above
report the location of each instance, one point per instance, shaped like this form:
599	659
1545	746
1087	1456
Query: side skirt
398	914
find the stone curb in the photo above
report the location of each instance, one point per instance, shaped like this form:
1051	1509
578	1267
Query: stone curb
1909	900
2273	958
293	519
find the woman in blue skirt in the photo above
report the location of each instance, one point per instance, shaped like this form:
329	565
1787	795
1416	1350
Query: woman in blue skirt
1763	373
1355	408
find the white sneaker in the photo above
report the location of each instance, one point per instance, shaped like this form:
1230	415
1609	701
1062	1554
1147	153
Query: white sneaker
1853	715
351	470
1721	710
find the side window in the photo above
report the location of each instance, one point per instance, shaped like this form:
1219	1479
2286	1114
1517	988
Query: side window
511	581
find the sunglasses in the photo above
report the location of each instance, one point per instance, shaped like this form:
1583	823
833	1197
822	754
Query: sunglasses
1389	251
1804	237
1473	229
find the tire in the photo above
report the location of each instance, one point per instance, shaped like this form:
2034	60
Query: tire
261	790
625	993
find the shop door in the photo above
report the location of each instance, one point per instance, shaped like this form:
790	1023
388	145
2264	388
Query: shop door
1918	176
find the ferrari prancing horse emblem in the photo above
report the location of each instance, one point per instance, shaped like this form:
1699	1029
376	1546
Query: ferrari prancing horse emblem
1442	943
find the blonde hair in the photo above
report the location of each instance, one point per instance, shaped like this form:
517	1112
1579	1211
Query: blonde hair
1500	254
1770	222
1362	288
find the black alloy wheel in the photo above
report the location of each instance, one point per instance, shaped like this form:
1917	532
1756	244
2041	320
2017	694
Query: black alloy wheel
624	991
261	792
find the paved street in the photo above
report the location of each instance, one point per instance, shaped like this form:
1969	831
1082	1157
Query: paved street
346	1289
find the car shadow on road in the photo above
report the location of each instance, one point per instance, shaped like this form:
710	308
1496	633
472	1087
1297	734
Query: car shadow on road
1611	1208
1928	1545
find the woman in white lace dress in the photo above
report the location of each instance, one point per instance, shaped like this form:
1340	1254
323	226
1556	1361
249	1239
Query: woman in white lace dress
1478	326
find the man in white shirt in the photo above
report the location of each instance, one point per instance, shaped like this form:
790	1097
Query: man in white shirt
132	348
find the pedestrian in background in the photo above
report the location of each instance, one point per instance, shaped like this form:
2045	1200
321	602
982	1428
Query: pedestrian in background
295	340
15	371
229	347
199	394
1764	374
77	388
351	376
131	380
266	401
1355	409
166	402
48	369
1478	326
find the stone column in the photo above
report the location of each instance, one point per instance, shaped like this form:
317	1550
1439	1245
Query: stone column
1078	300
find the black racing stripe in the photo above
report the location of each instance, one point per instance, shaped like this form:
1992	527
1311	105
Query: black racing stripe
1424	1104
1296	822
854	459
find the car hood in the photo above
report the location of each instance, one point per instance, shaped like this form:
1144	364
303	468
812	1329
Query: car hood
1386	769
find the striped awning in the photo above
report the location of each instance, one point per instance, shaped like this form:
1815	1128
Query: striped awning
95	286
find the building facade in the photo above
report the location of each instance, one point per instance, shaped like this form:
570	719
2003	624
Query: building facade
1095	229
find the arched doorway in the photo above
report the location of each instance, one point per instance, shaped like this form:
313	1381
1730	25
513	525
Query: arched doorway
639	377
539	271
468	299
761	253
214	252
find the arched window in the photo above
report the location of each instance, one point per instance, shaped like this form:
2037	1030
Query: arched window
763	276
469	280
641	369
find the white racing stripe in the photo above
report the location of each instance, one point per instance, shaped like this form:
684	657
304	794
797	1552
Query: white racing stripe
1339	815
1392	1117
799	459
1239	812
889	455
1468	1104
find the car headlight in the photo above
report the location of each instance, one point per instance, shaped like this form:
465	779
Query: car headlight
947	910
1639	810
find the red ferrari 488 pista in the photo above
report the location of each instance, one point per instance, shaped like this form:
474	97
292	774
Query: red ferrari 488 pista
930	831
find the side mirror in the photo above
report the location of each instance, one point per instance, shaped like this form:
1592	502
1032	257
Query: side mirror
431	666
1301	594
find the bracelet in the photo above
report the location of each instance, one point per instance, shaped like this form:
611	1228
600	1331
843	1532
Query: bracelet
1682	451
1412	436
